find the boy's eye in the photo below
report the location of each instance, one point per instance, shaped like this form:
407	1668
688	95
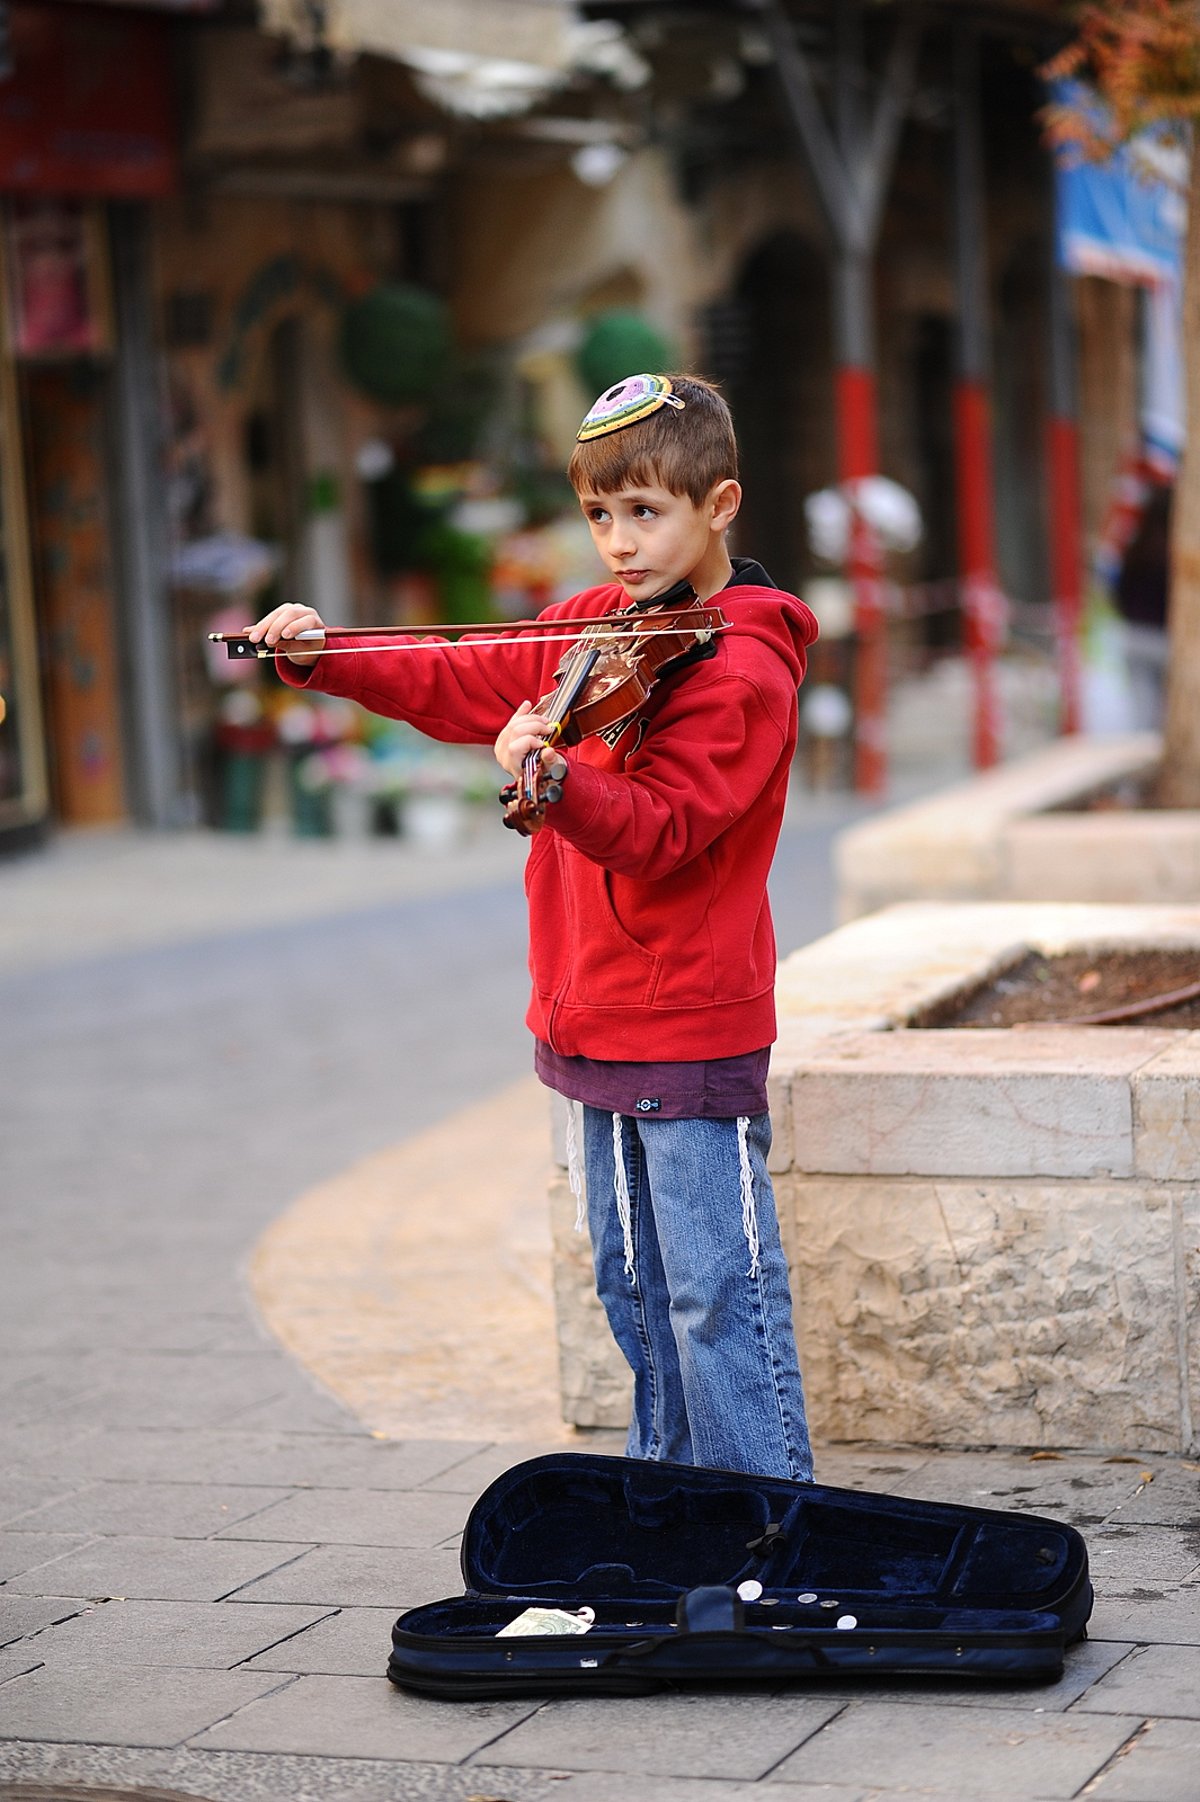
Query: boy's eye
597	515
644	512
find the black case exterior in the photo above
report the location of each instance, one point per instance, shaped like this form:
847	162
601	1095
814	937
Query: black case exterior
853	1583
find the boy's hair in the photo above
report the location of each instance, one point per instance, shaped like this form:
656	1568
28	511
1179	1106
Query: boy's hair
685	450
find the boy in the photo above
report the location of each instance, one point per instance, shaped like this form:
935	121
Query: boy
651	946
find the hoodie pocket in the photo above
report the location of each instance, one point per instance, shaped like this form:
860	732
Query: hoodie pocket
610	967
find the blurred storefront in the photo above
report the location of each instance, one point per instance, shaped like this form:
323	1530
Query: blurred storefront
86	144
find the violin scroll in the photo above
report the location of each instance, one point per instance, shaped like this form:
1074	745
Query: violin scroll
525	809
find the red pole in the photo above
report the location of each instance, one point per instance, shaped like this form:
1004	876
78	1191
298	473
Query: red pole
858	456
983	603
1066	561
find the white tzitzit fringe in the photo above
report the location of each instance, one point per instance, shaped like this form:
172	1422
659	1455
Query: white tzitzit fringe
621	1190
749	1214
574	1167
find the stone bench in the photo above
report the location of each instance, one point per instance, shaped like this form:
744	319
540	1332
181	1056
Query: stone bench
1013	834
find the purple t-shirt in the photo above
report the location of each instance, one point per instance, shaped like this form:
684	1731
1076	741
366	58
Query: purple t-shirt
718	1088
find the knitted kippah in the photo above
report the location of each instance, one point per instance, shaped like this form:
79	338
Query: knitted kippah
633	399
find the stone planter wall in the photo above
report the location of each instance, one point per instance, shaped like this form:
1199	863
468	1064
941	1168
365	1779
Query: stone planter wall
1010	834
994	1235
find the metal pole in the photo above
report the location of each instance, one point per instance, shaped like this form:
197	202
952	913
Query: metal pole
143	616
980	598
1065	510
857	413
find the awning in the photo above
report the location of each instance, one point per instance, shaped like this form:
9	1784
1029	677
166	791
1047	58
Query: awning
523	31
480	58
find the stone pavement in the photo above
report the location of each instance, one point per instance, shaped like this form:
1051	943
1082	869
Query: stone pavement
202	1552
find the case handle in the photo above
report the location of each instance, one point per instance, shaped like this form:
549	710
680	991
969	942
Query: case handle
710	1609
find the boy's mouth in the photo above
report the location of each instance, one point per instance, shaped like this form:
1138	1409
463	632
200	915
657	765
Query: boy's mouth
632	575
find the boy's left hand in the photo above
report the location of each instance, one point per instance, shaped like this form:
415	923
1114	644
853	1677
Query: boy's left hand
526	731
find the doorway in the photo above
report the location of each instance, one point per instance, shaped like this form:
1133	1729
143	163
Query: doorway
782	398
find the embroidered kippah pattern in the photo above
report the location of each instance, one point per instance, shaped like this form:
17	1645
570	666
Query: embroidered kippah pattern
630	400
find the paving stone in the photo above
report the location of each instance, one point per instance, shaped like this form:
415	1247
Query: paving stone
305	1412
471	1474
1172	1499
354	1642
192	1390
1125	1560
1151	1680
364	1717
41	1448
29	1614
1148	1613
252	1777
1084	1665
38	1761
120	1706
610	1786
1079	1490
363	1576
209	1635
266	1777
16	1662
181	1510
19	1494
1159	1766
357	1517
695	1734
163	1570
870	1470
275	1460
997	1752
59	1385
22	1552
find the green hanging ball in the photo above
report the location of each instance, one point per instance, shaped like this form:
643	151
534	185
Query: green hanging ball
396	343
617	344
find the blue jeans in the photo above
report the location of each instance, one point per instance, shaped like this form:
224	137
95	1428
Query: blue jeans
691	1272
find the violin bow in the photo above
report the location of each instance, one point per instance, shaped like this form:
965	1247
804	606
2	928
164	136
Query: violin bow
706	620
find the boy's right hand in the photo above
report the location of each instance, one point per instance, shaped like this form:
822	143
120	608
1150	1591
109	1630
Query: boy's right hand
283	623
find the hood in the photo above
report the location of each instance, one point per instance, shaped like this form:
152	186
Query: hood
775	618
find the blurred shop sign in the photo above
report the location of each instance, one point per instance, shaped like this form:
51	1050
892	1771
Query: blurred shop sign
87	107
58	298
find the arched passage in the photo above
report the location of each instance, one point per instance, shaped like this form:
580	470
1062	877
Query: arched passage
781	391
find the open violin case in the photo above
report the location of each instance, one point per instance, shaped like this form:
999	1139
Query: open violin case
835	1583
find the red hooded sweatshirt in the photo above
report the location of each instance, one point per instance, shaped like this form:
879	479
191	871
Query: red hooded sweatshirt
650	932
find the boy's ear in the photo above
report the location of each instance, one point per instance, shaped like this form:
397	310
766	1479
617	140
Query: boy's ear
724	502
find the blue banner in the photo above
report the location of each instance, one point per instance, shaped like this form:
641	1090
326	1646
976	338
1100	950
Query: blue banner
1123	218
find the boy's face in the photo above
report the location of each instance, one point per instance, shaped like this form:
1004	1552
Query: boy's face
650	538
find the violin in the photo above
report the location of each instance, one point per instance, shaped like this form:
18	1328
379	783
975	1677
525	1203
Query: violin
600	686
